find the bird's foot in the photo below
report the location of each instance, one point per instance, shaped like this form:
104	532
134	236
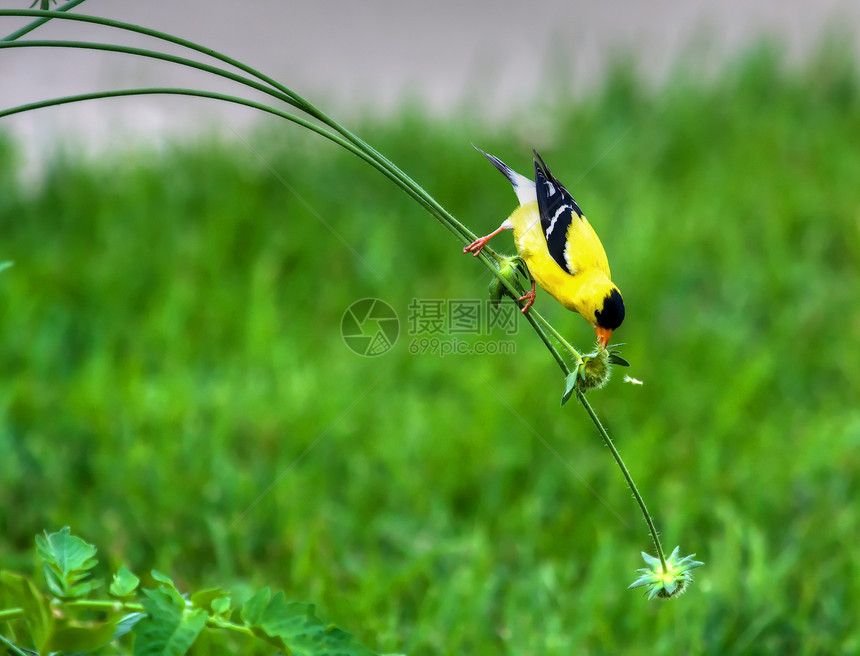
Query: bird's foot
477	246
529	298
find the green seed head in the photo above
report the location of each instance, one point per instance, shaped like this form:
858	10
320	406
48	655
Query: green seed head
496	290
594	371
666	583
509	268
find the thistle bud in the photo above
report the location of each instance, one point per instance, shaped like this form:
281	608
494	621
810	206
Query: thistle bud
496	291
594	371
668	582
509	267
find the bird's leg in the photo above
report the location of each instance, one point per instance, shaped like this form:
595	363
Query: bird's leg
529	298
478	245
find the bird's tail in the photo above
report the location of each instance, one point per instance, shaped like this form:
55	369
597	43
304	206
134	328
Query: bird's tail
523	187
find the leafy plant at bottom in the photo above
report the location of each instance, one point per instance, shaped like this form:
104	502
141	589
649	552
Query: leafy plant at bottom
293	626
161	621
66	563
169	627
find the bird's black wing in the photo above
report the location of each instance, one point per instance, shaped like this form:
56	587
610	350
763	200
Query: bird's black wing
557	211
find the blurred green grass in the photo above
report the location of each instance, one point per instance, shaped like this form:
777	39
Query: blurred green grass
170	343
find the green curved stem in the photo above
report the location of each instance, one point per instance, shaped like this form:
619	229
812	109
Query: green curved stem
576	355
9	614
611	446
281	93
347	140
153	54
103	604
176	91
296	100
12	648
408	185
118	93
17	34
533	318
219	623
128	606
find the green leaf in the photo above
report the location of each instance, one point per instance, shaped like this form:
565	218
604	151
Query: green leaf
168	629
68	588
294	627
124	583
651	561
5	265
163	578
169	587
252	610
67	561
56	586
221	606
522	269
20	591
65	551
126	624
570	385
614	358
645	579
688	562
206	598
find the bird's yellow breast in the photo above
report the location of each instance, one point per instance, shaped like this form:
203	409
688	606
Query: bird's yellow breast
584	288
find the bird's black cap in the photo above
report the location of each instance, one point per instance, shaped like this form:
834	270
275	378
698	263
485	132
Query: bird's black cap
611	314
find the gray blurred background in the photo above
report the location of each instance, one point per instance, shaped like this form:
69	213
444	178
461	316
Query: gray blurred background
361	57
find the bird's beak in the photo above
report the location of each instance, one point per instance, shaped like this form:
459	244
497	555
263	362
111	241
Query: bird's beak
603	335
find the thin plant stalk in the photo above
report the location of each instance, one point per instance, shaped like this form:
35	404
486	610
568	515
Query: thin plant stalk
617	456
108	605
546	324
532	318
12	648
295	99
347	140
292	98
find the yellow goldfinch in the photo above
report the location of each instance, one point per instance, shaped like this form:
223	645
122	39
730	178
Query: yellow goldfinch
560	248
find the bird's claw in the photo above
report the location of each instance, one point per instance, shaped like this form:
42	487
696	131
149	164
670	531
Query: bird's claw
529	298
477	246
